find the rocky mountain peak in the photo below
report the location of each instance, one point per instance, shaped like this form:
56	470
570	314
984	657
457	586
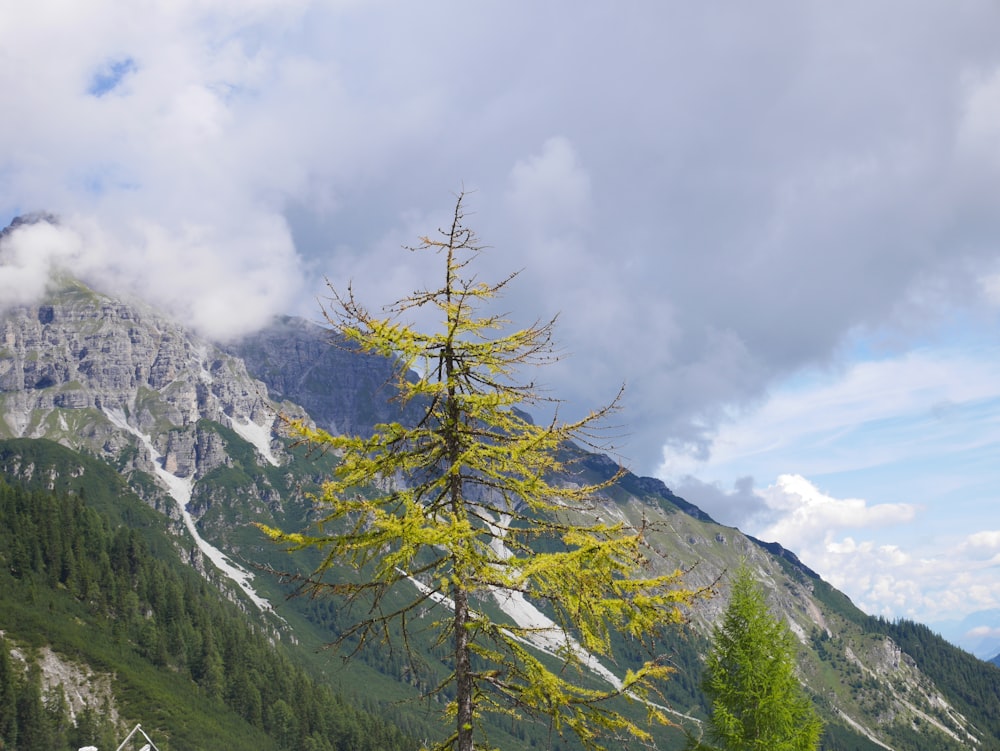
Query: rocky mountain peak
76	357
25	220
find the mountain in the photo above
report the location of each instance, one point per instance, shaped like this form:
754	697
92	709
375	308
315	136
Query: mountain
190	427
342	390
978	632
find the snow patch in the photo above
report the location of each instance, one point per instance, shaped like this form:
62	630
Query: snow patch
179	489
546	636
543	632
257	435
543	635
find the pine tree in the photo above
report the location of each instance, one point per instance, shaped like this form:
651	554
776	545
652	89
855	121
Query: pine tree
58	716
757	702
93	727
8	698
33	727
458	508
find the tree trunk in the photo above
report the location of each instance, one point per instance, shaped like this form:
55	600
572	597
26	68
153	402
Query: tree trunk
463	670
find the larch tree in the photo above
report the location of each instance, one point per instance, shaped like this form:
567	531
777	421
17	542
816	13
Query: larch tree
757	701
470	504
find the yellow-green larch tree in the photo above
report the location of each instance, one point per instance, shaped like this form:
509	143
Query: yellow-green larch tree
472	501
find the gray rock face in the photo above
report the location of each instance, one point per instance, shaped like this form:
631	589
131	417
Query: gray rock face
78	356
342	390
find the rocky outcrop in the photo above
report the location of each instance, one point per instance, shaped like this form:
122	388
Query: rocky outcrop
69	361
343	390
81	687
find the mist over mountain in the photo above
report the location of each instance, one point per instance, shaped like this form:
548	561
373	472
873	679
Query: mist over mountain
191	427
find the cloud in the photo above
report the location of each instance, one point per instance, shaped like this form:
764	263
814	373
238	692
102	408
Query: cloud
807	517
983	632
155	179
979	125
989	539
890	581
920	404
180	268
178	271
918	432
928	581
740	507
712	198
28	255
828	534
982	547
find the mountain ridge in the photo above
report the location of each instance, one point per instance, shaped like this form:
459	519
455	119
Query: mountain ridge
103	376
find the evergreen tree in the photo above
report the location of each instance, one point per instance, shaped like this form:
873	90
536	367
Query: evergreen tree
8	698
228	658
33	726
463	507
757	702
93	728
282	724
58	715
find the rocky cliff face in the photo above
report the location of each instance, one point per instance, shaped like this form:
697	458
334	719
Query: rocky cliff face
70	362
343	390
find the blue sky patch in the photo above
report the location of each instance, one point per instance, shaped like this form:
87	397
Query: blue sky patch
110	76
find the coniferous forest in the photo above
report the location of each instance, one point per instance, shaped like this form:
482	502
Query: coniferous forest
186	662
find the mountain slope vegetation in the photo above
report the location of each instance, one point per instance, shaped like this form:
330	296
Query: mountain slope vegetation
108	591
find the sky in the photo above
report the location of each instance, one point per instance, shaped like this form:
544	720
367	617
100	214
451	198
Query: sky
777	224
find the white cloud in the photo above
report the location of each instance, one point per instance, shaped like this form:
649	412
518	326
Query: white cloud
985	540
927	589
837	537
984	632
809	518
170	186
919	431
29	254
179	271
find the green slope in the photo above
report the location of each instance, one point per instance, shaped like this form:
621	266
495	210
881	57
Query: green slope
88	571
